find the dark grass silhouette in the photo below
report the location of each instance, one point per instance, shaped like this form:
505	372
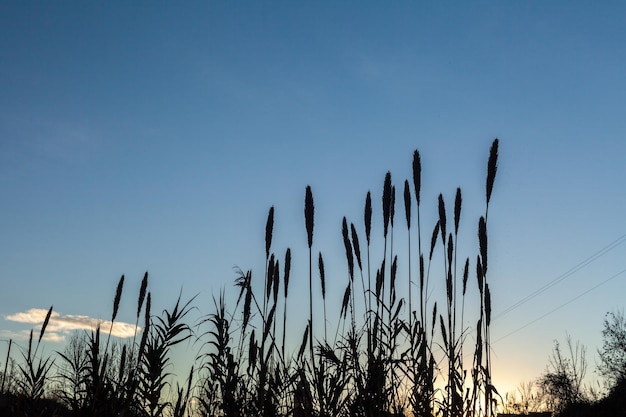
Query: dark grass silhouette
391	354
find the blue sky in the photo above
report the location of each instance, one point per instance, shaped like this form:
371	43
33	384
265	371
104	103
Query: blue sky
157	137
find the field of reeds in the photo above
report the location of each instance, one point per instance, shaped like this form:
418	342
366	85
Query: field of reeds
395	351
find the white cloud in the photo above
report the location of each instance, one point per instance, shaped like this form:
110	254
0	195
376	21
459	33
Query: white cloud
62	324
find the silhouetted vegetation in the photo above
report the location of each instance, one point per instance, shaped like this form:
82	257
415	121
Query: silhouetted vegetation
613	367
562	390
392	354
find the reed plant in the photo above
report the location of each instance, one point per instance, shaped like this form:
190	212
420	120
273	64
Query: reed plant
394	352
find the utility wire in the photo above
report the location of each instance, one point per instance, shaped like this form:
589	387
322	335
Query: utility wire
561	306
617	242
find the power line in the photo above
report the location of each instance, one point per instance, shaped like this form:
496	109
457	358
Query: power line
606	249
561	306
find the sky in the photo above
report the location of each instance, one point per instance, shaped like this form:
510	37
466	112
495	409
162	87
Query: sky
155	137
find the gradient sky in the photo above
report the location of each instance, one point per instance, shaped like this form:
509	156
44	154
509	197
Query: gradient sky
157	137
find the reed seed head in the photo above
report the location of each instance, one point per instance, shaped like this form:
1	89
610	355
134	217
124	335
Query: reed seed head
387	202
392	214
379	282
247	304
457	210
355	244
268	323
348	247
417	175
442	218
146	328
444	335
367	216
148	307
449	286
482	239
287	270
465	275
487	305
252	351
422	271
269	228
142	293
492	168
433	239
45	324
320	264
276	283
270	277
118	296
309	210
479	275
122	364
305	338
345	302
407	204
479	341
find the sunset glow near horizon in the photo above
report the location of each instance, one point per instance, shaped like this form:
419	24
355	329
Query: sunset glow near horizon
155	139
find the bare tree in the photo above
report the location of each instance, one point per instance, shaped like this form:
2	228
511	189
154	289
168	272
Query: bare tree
527	398
562	383
612	364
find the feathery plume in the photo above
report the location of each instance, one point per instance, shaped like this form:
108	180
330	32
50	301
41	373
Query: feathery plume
320	264
247	304
422	270
433	240
392	208
309	209
482	239
367	216
355	244
443	332
449	276
407	204
45	324
457	210
268	323
479	342
348	247
387	201
492	168
142	293
345	302
305	337
417	175
487	305
269	227
392	279
479	274
146	327
252	351
379	283
122	364
118	296
442	218
276	283
465	275
287	270
270	277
